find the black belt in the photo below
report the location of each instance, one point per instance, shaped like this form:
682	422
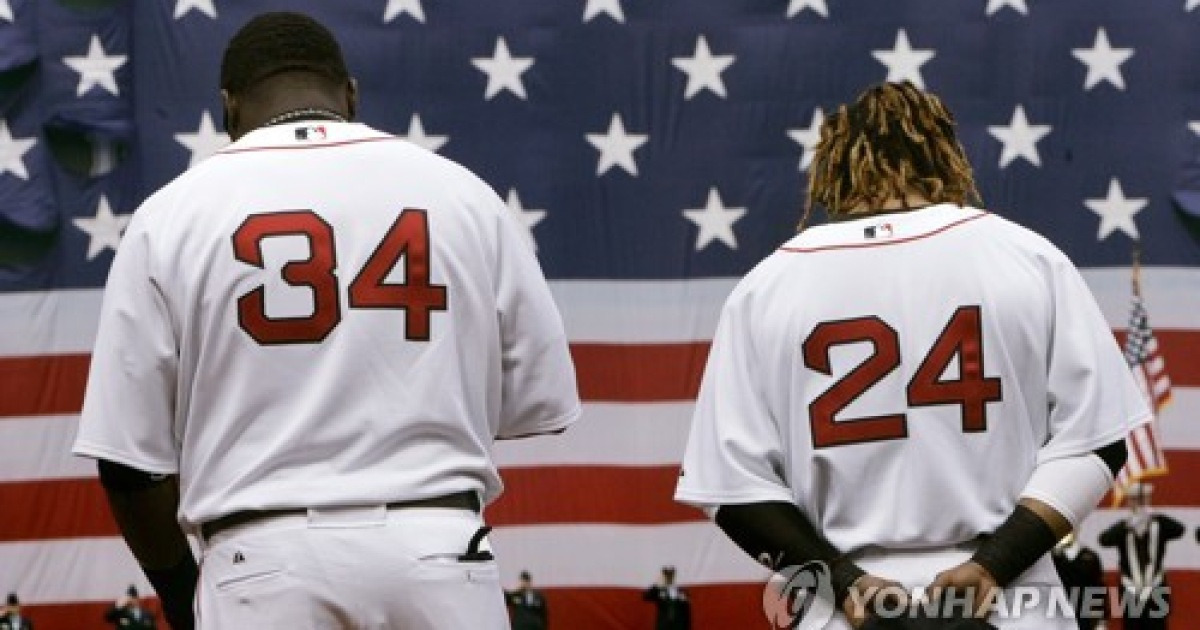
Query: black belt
465	500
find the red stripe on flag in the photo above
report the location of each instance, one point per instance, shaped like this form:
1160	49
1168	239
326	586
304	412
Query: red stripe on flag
639	373
54	384
590	494
1179	349
81	615
58	508
51	384
77	508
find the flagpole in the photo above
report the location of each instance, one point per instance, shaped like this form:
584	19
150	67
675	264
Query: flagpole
1137	267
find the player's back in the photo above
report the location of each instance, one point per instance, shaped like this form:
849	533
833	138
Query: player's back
336	293
906	362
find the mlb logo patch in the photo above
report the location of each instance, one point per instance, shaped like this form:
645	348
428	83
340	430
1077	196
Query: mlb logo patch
881	230
310	133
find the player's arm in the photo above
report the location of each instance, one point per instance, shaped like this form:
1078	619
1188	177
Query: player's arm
145	507
539	393
1058	496
779	535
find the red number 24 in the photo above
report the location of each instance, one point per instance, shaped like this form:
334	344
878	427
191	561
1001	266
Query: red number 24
963	336
408	237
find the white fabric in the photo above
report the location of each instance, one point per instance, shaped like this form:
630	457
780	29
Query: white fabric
1073	486
1065	388
365	416
367	569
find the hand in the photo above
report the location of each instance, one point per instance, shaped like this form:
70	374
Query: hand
968	579
868	592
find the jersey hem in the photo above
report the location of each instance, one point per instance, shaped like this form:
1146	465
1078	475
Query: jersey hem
702	499
1105	439
93	451
557	424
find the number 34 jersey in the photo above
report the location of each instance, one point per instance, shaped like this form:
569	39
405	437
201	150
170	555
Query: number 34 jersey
899	376
322	314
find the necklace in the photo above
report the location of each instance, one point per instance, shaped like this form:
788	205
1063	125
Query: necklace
304	113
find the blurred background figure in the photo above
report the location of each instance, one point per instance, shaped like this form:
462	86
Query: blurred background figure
527	604
127	613
10	615
1141	542
1080	570
674	607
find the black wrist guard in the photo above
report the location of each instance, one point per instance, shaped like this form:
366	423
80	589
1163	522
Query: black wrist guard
843	574
1018	543
176	588
779	535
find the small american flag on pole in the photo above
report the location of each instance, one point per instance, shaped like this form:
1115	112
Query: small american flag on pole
1146	457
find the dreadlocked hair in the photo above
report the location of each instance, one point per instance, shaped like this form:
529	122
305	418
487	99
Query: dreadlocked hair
278	42
894	141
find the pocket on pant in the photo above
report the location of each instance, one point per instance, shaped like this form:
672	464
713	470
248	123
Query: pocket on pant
237	568
450	568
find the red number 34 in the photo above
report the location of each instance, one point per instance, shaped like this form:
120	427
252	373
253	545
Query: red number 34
408	237
963	336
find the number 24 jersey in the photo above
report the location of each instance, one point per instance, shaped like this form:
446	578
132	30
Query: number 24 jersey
899	376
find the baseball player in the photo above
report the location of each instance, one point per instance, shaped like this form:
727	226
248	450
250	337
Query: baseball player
919	393
307	346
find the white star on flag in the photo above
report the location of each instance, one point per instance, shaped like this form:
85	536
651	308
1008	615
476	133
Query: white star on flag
396	7
12	151
182	7
104	230
96	68
527	218
808	138
596	7
6	12
205	142
1116	211
1195	126
1018	5
1192	4
503	70
1103	61
1019	138
796	6
715	221
703	69
903	61
416	135
616	147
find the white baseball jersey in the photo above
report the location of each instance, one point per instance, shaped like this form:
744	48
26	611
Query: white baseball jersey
900	376
323	315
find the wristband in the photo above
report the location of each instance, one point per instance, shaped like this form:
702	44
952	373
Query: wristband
843	573
1018	543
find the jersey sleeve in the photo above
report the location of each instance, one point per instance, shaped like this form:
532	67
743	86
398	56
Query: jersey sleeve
539	393
734	451
129	406
1093	397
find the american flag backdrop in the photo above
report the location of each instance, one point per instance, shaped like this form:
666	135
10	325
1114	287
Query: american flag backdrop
655	150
